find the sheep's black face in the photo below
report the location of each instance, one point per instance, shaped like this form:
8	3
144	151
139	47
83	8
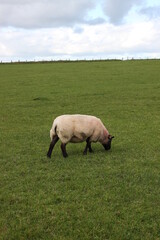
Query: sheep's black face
107	146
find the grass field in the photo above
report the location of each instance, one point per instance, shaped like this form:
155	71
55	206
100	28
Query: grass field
104	195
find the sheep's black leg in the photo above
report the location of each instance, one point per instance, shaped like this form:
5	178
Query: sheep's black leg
90	149
52	144
85	150
63	148
88	145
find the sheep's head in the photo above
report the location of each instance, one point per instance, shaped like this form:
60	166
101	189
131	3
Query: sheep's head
107	146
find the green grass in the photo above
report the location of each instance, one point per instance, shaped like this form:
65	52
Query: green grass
105	195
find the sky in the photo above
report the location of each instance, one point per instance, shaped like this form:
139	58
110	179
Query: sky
79	29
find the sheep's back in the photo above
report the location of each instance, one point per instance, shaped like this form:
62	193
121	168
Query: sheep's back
76	128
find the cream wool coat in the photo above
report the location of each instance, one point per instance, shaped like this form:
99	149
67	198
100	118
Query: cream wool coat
77	128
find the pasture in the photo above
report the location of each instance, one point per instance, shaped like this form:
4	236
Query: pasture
103	195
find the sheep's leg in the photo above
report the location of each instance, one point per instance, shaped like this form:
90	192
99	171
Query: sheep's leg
63	148
90	149
52	144
88	145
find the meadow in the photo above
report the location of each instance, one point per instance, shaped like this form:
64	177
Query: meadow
103	195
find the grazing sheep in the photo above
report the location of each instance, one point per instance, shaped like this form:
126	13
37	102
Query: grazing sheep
78	128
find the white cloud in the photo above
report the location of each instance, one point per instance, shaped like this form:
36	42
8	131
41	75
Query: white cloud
104	40
151	12
116	10
5	51
50	29
43	13
52	13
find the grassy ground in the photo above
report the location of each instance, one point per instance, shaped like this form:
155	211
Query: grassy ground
104	195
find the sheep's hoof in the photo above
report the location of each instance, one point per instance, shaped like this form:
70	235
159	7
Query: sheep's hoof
84	153
65	156
48	156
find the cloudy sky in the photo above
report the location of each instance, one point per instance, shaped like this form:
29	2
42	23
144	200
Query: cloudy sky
79	29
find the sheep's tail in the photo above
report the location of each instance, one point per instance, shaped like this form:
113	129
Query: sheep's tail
53	131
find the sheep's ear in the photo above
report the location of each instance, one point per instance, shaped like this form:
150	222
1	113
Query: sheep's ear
109	136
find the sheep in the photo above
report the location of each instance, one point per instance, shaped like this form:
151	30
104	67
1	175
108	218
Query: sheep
78	128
